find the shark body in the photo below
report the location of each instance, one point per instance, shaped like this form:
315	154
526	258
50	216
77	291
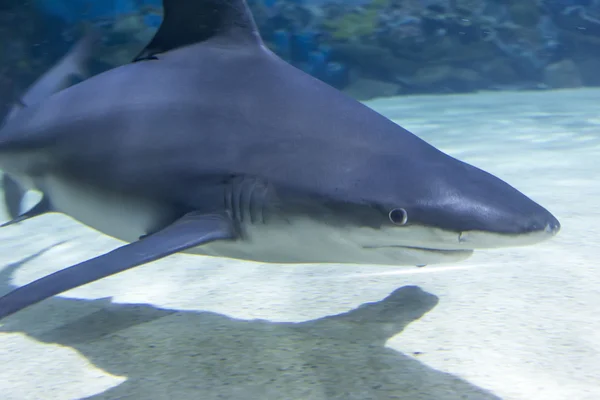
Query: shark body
209	143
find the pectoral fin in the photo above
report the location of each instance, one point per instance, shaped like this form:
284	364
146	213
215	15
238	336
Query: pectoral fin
191	230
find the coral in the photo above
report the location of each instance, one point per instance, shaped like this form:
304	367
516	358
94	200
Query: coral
563	74
373	61
360	23
524	12
415	45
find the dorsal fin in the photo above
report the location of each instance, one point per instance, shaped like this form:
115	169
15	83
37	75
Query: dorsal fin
187	22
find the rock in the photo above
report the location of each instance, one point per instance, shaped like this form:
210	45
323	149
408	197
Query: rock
563	74
366	89
524	12
500	72
128	24
433	75
588	68
447	79
372	60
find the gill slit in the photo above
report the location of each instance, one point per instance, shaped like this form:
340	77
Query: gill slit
246	200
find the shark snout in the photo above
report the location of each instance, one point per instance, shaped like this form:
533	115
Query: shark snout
468	216
500	208
481	210
489	212
542	221
514	227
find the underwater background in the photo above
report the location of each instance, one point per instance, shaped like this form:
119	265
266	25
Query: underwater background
507	85
367	48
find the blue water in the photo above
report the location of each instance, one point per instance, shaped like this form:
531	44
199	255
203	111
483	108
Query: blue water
73	10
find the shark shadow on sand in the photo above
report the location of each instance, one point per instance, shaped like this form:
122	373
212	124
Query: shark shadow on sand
167	353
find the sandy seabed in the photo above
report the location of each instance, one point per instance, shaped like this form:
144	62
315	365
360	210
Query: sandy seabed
519	323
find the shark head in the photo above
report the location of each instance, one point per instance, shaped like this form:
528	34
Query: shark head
442	209
415	205
392	198
437	211
434	210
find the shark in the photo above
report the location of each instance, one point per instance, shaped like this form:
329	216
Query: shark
209	143
72	67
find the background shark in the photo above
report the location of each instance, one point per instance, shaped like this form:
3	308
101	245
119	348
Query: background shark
210	143
69	69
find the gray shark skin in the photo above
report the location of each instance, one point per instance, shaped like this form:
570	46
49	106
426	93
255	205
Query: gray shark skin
71	67
209	143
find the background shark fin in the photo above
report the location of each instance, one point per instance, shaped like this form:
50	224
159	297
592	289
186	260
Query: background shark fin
42	207
81	53
13	195
70	69
191	21
193	229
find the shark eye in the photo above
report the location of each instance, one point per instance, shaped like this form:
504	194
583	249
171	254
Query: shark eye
398	216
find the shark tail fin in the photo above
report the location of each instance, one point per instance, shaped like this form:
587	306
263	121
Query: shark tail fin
13	195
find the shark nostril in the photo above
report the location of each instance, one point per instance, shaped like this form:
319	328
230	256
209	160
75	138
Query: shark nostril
535	227
553	226
544	223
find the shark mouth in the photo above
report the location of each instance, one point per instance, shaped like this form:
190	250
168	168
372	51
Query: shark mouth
425	249
422	256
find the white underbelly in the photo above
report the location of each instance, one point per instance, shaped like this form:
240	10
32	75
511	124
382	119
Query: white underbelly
114	214
308	241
